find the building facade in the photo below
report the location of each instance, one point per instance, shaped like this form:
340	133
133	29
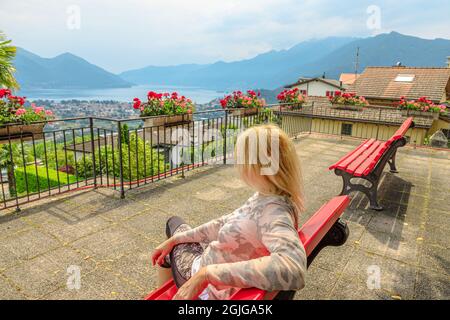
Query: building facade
317	87
377	122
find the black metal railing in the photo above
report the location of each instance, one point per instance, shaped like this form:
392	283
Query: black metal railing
93	152
59	156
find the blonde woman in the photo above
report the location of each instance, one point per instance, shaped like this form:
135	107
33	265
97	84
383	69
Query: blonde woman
255	246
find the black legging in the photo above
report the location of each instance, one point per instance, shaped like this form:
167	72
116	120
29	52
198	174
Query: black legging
182	255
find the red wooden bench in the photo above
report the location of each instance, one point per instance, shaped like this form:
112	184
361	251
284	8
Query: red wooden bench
367	162
323	229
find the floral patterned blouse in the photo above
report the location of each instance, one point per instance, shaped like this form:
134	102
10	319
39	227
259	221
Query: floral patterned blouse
255	246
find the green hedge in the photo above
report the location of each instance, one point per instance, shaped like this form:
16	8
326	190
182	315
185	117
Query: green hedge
32	179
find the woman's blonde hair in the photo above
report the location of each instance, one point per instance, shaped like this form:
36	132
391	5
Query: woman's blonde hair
265	146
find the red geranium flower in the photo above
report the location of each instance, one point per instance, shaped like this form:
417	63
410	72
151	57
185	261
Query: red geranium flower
223	103
5	93
17	99
137	103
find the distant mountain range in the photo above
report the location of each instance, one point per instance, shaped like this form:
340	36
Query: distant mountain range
267	70
65	71
271	70
330	56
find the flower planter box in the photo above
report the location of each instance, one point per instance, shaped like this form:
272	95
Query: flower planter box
23	132
292	106
409	113
244	111
347	107
166	121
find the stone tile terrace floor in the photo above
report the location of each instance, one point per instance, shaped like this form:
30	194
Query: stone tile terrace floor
112	239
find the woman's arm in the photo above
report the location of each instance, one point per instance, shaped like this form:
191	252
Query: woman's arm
204	233
283	269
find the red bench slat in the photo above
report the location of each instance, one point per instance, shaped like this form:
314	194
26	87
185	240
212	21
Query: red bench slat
401	131
334	166
367	166
310	235
249	294
321	222
352	167
343	163
165	292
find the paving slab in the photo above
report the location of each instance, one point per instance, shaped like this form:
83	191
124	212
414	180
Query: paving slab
9	291
41	275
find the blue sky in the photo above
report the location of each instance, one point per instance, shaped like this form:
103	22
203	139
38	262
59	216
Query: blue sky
121	35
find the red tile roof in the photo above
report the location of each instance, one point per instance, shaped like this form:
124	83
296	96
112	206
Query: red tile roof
332	82
348	78
379	82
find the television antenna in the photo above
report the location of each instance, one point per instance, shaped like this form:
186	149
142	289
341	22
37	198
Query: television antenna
357	63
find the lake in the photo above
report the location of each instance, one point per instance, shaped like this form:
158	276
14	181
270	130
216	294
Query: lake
197	95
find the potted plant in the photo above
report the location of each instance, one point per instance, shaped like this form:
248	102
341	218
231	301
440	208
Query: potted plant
18	121
242	104
163	109
291	99
347	101
421	107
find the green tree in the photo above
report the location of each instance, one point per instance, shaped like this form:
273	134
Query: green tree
139	160
125	134
7	54
135	164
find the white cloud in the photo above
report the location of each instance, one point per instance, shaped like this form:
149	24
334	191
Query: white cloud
119	35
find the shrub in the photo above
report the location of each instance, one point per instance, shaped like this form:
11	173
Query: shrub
84	166
61	155
133	167
133	163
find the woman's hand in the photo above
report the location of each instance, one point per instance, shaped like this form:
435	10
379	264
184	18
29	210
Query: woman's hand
162	251
193	287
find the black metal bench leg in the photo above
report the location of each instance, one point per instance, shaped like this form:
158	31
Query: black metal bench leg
371	192
392	163
373	198
336	237
346	184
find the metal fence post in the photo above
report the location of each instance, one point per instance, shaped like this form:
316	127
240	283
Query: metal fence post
379	121
94	167
312	118
11	164
119	139
225	138
278	117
